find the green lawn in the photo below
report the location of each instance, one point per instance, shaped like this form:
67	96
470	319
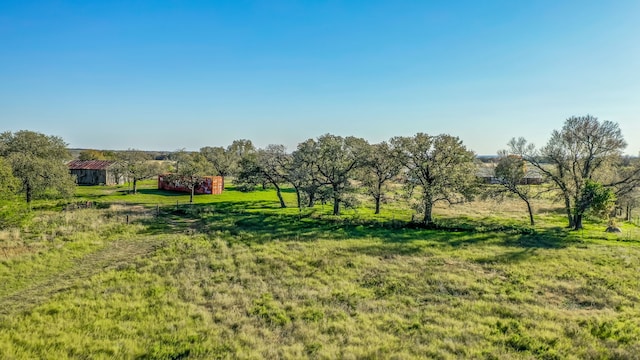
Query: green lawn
234	276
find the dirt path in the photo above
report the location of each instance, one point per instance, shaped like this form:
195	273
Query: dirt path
113	255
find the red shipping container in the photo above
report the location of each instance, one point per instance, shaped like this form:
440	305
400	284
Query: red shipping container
209	185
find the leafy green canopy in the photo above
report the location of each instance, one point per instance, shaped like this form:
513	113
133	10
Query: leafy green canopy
8	183
441	167
38	162
584	150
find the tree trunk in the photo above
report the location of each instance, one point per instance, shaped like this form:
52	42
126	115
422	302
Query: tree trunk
577	222
193	189
298	200
282	204
524	198
312	198
567	206
530	212
29	192
628	212
336	201
135	185
377	197
428	209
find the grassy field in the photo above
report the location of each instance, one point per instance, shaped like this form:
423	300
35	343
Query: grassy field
148	276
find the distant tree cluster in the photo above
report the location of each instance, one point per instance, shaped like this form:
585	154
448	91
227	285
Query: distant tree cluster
582	162
435	168
92	154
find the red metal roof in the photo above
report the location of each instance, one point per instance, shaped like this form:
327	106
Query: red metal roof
89	164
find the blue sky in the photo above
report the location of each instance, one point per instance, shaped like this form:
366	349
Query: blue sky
166	75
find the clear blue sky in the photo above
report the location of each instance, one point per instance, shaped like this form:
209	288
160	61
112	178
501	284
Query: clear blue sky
165	75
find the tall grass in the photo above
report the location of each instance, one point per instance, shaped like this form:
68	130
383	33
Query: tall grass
234	276
52	241
210	298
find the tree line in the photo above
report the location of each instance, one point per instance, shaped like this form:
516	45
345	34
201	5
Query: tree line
583	162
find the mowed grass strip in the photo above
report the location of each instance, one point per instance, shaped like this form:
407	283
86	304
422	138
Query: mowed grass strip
116	254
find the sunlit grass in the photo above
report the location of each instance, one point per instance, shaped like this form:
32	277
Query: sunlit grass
343	298
235	276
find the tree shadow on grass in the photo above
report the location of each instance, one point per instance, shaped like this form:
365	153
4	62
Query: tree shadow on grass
527	245
126	195
509	256
258	222
159	192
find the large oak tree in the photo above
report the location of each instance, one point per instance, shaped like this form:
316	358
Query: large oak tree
336	158
268	165
191	168
303	172
510	172
441	167
582	152
137	165
38	161
379	166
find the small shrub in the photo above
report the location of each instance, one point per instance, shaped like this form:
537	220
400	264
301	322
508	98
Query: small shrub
267	309
312	315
